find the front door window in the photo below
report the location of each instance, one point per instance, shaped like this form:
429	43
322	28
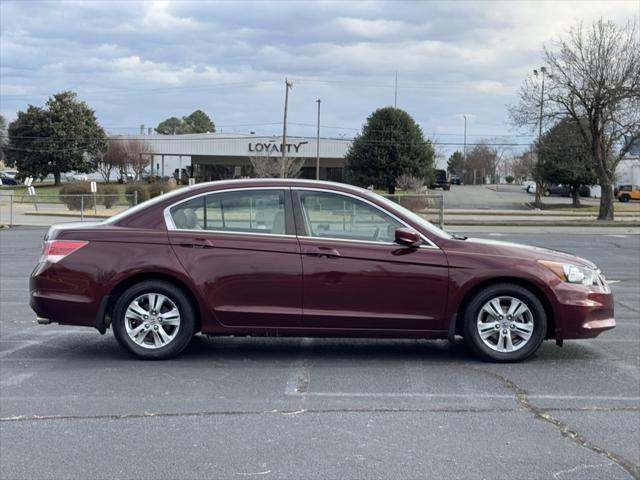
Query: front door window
330	215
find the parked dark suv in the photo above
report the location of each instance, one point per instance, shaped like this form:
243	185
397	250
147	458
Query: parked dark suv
306	258
440	180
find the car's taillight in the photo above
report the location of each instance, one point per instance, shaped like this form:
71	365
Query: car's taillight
55	250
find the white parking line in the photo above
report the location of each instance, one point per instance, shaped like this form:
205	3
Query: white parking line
299	376
27	344
15	379
483	396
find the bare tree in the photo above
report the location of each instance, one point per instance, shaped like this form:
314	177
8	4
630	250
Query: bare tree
265	166
483	160
114	158
138	155
523	166
593	77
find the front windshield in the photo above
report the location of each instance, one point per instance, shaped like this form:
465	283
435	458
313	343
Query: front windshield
414	217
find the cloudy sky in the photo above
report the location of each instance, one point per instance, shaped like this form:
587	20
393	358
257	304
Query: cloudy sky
140	62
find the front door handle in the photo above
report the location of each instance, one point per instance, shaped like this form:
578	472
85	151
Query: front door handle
322	252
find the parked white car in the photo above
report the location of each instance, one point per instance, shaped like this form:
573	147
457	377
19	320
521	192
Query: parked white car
527	184
76	177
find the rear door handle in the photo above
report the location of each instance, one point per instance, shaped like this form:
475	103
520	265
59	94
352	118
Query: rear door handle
198	243
322	252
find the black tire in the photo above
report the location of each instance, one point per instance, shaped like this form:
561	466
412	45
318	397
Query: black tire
186	329
470	316
547	193
624	198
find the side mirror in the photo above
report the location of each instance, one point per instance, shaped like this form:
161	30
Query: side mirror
408	237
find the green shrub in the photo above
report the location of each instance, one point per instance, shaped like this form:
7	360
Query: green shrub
158	188
109	195
416	203
409	183
509	179
77	195
143	192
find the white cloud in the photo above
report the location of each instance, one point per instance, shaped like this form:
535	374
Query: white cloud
139	62
365	28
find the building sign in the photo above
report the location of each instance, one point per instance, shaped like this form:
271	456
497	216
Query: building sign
271	147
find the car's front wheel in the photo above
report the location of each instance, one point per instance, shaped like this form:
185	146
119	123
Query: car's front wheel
504	323
153	320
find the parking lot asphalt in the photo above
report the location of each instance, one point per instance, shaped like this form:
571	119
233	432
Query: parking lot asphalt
73	404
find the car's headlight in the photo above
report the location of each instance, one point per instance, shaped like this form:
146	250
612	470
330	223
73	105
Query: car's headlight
570	273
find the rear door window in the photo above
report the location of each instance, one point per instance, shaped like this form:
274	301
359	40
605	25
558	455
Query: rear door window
242	211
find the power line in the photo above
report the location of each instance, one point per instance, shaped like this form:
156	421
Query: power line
83	146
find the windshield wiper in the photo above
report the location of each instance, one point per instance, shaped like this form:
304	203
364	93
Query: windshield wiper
458	237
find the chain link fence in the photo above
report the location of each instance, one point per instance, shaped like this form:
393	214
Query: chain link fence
47	209
429	206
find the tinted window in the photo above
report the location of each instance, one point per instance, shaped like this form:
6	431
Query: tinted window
251	211
332	215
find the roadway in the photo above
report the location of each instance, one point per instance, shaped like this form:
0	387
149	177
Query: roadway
75	405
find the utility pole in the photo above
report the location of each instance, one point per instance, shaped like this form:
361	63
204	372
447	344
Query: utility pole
395	93
464	149
318	144
287	86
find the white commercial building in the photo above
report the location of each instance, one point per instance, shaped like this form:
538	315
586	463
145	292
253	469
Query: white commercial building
215	156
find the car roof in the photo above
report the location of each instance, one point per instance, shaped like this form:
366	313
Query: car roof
275	182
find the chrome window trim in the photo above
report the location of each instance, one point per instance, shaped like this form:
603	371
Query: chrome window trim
172	227
168	219
368	242
395	217
233	232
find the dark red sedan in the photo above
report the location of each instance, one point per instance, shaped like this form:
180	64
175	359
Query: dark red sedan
295	257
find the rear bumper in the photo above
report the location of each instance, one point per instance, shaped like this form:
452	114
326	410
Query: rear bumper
583	312
63	308
56	298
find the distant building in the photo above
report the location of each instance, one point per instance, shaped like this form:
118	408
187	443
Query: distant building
628	171
217	156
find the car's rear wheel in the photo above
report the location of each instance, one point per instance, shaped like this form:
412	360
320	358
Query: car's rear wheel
504	323
624	197
153	320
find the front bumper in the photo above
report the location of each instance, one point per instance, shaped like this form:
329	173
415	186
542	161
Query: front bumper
583	312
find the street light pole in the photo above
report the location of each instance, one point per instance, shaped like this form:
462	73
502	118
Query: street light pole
539	181
395	93
318	144
464	148
287	86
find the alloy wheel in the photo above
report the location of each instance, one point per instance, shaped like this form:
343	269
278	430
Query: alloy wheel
152	320
505	324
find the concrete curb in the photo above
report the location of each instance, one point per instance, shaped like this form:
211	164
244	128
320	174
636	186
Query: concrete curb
542	223
529	213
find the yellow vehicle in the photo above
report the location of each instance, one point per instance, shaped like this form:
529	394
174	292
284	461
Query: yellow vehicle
628	192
